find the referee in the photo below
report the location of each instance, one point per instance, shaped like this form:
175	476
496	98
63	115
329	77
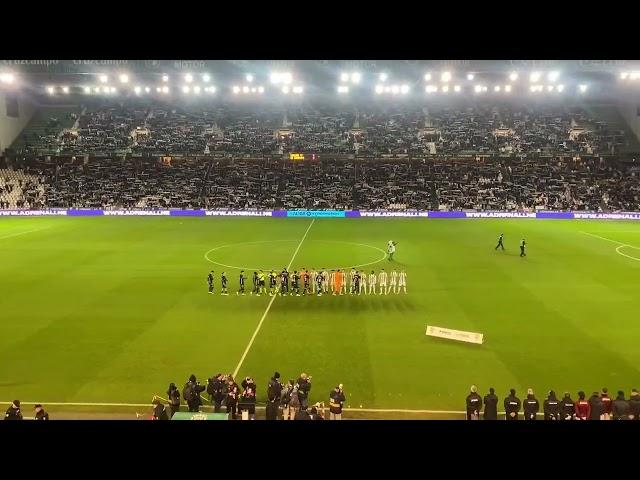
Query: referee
500	244
522	246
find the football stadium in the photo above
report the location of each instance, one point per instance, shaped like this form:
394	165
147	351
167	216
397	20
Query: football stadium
308	240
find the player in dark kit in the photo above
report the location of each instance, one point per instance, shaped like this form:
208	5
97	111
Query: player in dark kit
305	280
210	281
284	282
319	283
256	283
295	283
522	245
242	279
223	280
500	244
356	284
272	283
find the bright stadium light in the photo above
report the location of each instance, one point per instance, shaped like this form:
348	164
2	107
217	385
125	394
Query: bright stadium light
383	77
212	89
549	88
445	89
113	90
404	89
165	78
188	78
96	89
395	89
65	89
158	90
249	78
427	77
50	90
431	89
534	77
147	89
287	78
236	89
445	77
124	78
185	89
560	88
297	90
553	76
245	89
165	89
345	89
137	90
196	90
484	89
582	88
496	88
379	89
470	76
7	78
206	77
477	88
456	88
344	77
87	90
260	89
507	88
513	76
105	89
356	77
104	79
285	89
253	89
624	75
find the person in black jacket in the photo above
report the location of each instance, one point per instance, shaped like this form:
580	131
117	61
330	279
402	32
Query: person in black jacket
531	406
215	388
512	405
491	405
567	407
159	410
274	390
233	394
304	387
314	414
192	391
595	406
40	413
634	405
13	412
474	404
173	395
302	414
552	407
620	407
336	400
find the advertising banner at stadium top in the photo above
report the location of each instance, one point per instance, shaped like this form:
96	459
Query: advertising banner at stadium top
319	214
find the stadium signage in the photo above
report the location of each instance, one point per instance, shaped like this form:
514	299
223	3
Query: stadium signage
608	216
31	213
500	214
316	213
459	335
364	213
239	213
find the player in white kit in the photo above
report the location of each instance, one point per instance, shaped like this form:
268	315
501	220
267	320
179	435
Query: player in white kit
402	283
343	285
332	281
372	283
363	282
351	285
382	280
393	282
325	281
313	275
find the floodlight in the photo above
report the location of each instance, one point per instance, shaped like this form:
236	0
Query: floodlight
507	88
212	89
285	89
158	89
478	88
395	89
445	89
206	78
404	89
297	89
249	78
165	78
496	88
549	88
185	89
383	77
560	88
87	90
188	78
260	89
165	89
113	90
7	78
431	89
534	77
65	89
470	76
50	90
427	77
137	90
105	89
379	89
553	76
583	88
104	79
236	89
96	89
124	78
344	77
196	89
445	77
356	77
513	76
245	89
345	89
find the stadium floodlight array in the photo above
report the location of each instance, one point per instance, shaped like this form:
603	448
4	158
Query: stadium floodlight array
206	77
249	77
582	88
630	75
427	77
188	78
513	76
103	78
248	89
124	78
480	88
353	77
383	77
445	77
343	89
535	77
7	78
165	78
392	89
553	76
470	76
277	78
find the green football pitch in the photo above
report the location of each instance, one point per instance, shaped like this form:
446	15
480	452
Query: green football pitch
112	309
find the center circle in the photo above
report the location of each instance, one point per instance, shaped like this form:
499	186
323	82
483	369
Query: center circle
295	242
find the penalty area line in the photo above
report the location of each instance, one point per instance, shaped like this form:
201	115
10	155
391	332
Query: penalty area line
264	315
618	248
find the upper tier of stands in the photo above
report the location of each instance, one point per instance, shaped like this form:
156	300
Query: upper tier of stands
237	130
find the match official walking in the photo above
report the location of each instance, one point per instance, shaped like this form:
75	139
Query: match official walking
523	244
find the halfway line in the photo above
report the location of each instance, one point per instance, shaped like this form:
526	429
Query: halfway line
264	315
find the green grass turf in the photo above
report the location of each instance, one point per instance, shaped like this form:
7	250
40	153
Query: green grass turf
113	309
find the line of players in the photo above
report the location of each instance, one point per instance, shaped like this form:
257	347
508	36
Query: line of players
321	282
